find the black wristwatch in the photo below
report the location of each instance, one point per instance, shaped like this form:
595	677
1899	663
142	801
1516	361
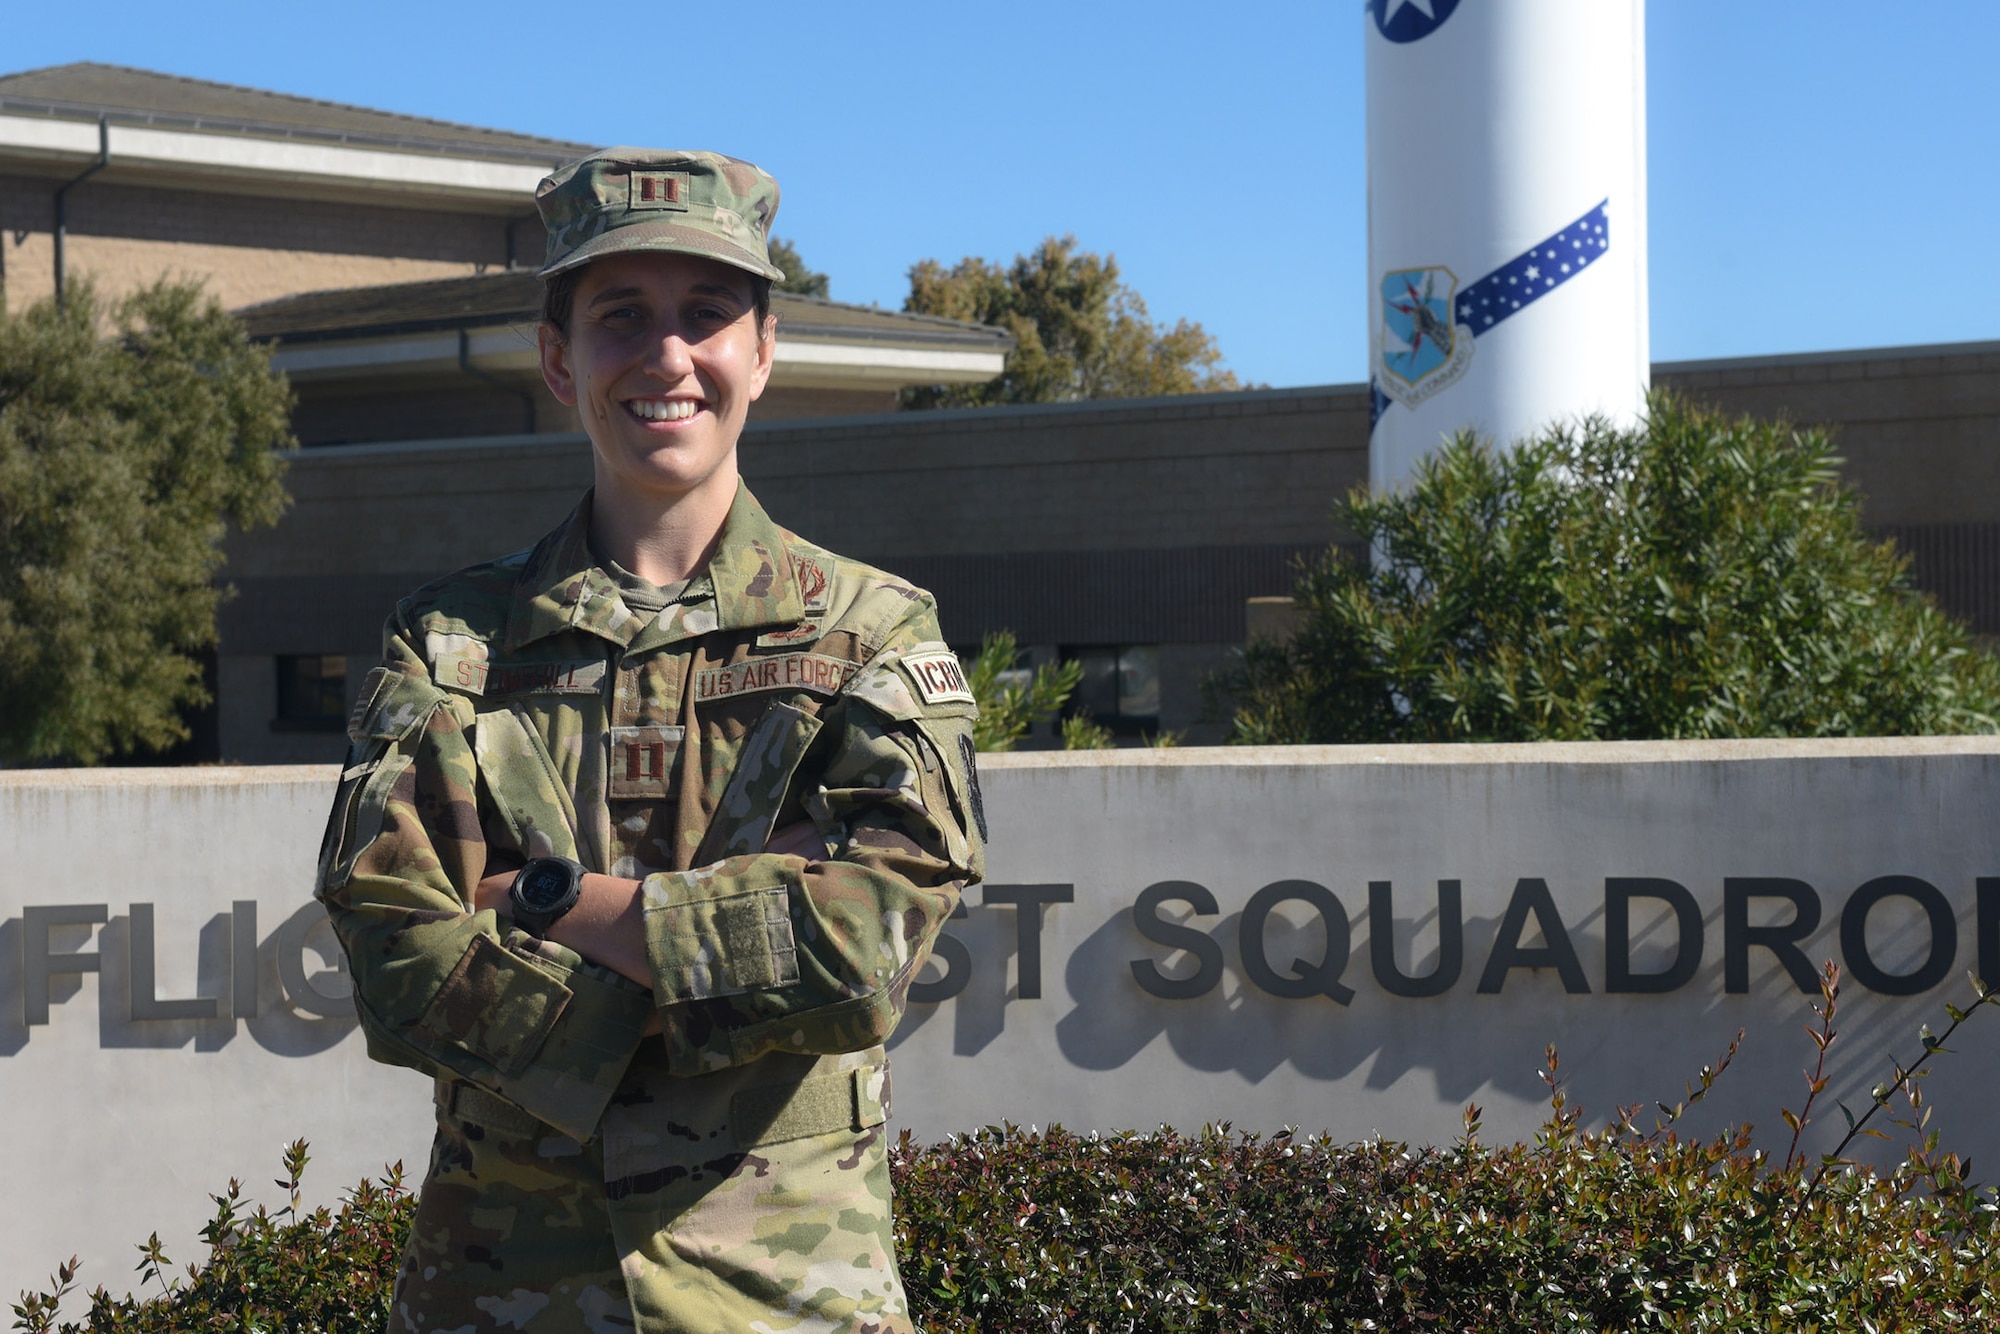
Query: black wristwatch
546	888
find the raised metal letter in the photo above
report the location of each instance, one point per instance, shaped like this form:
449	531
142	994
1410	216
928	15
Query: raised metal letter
1532	895
1208	954
145	1003
957	959
1738	935
38	966
1619	891
1322	979
1382	942
1027	901
1854	935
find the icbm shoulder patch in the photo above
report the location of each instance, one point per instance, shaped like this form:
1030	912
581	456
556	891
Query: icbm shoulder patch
938	677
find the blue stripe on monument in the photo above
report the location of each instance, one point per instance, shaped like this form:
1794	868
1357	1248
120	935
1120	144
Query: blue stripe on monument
1535	273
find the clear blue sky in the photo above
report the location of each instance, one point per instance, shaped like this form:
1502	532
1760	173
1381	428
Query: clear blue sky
1823	172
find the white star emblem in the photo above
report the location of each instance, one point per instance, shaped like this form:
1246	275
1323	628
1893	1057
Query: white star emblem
1533	273
1396	7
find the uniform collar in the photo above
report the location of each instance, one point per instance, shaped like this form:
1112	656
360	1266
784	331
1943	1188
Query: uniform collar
561	587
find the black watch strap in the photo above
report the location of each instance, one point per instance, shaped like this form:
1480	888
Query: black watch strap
545	889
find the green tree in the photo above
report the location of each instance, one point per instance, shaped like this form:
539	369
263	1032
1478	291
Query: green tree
1013	698
798	278
1700	577
1079	332
123	459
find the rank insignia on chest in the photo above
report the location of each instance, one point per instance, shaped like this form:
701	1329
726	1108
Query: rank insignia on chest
642	758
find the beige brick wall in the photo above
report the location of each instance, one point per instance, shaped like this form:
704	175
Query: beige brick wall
1210	470
237	277
1922	436
248	248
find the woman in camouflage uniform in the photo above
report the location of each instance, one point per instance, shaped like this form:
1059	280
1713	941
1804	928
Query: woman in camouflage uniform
739	771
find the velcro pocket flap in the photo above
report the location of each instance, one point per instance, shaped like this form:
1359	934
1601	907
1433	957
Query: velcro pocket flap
708	947
390	705
496	1006
458	1101
848	1101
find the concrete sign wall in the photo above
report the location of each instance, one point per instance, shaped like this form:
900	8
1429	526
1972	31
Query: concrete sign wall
1351	939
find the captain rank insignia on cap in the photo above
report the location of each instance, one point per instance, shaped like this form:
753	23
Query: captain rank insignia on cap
659	189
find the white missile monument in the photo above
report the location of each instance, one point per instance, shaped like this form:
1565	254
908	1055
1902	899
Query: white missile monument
1506	219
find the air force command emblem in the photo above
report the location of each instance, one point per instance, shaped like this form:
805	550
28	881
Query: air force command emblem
1418	348
1409	20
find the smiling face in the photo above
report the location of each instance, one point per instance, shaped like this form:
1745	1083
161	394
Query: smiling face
662	359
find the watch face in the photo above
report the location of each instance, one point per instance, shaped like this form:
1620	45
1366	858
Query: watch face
544	887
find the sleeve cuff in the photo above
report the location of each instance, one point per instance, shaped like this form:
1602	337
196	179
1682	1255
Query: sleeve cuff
583	1058
553	1041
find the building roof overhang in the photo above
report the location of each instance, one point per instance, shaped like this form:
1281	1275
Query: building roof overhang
159	129
487	322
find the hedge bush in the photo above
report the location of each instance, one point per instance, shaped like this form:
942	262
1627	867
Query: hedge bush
1008	1230
1702	576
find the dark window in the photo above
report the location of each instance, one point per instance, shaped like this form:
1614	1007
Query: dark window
312	693
1120	688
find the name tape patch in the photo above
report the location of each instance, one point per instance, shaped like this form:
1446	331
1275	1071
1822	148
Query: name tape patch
496	680
812	672
938	677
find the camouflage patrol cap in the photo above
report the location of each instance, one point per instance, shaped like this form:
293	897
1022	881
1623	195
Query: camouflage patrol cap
681	202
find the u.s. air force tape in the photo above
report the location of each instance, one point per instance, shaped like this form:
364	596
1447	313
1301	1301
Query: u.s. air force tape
811	672
937	677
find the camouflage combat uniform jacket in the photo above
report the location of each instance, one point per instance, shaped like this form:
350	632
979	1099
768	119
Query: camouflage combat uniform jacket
731	1174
